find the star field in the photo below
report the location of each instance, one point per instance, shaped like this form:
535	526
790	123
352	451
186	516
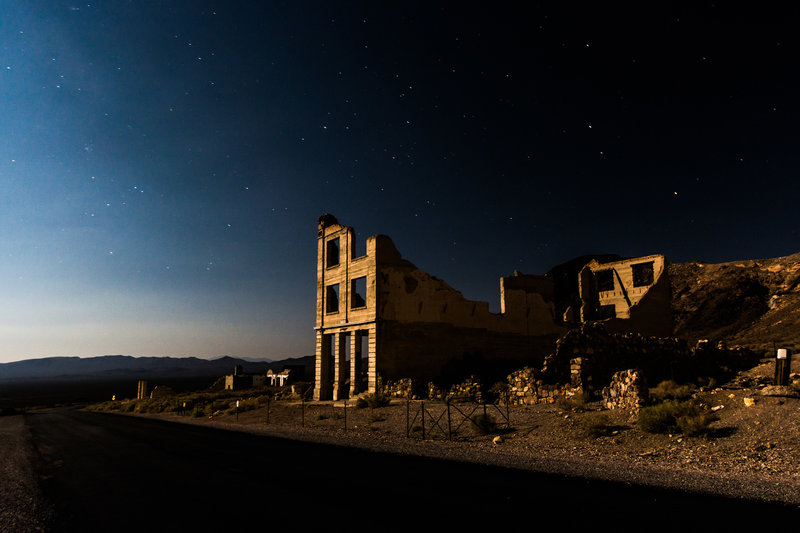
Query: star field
162	165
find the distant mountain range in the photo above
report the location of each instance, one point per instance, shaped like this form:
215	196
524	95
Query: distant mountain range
125	366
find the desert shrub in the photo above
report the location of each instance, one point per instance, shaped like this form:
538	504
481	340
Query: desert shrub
497	392
482	424
322	416
576	403
595	424
670	390
378	399
673	416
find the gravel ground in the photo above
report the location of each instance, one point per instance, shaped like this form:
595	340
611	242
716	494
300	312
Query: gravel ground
751	454
22	507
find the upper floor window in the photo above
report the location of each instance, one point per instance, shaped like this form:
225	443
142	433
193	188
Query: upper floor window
358	292
642	274
332	298
332	253
605	280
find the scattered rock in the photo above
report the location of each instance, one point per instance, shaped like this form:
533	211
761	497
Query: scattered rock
749	402
497	440
780	390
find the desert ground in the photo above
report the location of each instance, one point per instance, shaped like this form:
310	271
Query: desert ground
750	451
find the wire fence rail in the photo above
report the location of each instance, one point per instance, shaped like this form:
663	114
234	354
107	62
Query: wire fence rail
425	419
447	418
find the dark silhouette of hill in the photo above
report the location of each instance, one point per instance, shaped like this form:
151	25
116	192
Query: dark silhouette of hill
753	303
124	366
68	380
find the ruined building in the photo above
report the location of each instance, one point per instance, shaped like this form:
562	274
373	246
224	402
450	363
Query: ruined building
380	316
629	295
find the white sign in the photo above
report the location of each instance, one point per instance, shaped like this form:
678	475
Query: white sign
782	353
237	403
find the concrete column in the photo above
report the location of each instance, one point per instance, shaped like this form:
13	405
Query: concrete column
372	360
355	363
339	365
322	380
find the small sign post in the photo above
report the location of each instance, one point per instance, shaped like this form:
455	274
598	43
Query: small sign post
237	410
783	364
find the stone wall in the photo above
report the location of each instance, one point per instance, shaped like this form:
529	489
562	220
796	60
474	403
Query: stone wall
627	390
526	387
588	358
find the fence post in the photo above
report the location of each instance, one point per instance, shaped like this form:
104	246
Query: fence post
267	409
303	411
449	430
783	365
345	415
423	419
408	415
508	413
484	409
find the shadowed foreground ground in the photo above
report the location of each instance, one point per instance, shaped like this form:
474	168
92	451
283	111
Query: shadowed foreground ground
112	473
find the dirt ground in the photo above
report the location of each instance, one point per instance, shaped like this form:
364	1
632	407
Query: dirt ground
750	453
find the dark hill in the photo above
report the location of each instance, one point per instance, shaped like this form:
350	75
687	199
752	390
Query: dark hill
753	303
124	366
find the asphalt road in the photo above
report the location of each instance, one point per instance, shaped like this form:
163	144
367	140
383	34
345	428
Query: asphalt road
107	472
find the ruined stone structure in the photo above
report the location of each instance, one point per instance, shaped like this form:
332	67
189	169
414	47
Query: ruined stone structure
631	295
278	379
141	392
379	317
239	380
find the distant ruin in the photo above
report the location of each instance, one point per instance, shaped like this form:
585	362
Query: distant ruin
380	317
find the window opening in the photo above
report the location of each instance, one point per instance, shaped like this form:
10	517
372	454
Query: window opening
332	252
332	298
642	274
605	280
358	292
607	311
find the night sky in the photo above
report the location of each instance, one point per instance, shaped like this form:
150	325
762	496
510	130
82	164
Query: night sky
163	163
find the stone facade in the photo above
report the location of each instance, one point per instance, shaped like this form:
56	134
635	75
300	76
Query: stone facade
380	316
631	295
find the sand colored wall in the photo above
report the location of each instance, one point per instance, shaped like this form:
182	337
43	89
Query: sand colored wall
644	309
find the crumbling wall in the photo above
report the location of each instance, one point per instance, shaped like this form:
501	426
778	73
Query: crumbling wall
627	390
408	295
629	295
527	387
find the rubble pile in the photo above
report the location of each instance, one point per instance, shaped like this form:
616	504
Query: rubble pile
470	390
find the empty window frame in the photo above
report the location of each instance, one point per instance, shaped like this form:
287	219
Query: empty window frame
332	298
642	274
605	280
606	311
332	253
358	292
